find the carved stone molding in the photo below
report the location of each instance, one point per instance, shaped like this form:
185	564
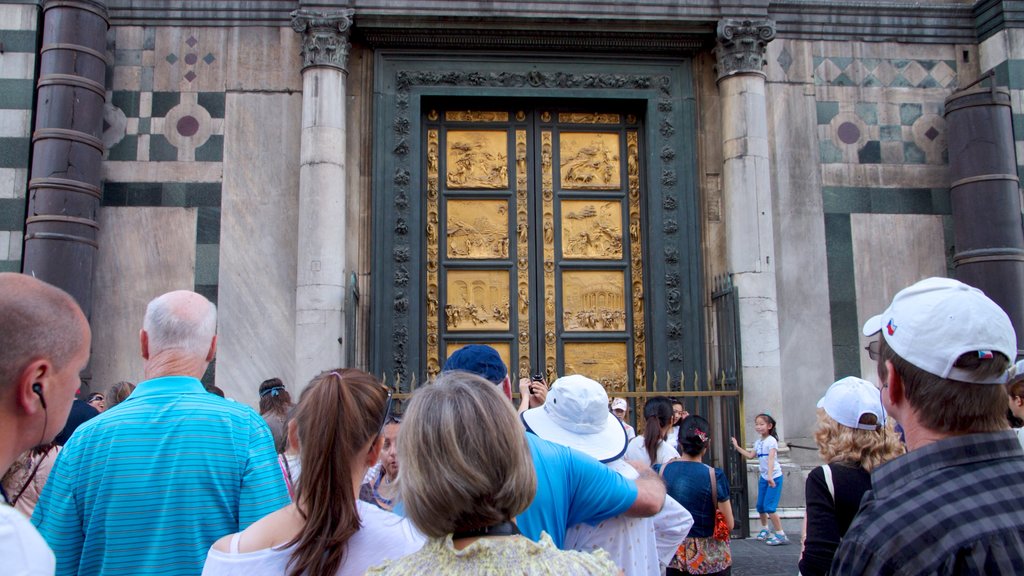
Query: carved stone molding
325	35
741	45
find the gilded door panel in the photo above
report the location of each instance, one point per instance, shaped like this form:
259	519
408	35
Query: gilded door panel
477	300
591	230
601	361
589	161
477	229
537	255
593	301
477	159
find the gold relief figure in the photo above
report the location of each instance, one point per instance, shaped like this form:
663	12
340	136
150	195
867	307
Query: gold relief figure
588	118
593	300
432	301
475	116
545	116
589	161
632	161
432	116
601	361
591	230
477	159
549	230
477	229
432	166
472	297
433	367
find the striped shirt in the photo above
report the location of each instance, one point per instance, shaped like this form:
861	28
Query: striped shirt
955	506
149	485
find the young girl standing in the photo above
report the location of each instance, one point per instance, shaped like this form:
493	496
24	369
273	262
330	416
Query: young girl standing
769	486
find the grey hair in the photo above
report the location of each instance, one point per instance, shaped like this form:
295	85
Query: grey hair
175	321
464	460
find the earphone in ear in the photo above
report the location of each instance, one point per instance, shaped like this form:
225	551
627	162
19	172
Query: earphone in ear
38	389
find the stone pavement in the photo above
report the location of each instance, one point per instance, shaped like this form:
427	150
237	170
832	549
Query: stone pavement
751	557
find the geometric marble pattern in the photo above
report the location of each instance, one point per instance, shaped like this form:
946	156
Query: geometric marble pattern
163	119
881	133
884	73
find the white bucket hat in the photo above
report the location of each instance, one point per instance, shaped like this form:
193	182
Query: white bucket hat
933	322
576	415
848	399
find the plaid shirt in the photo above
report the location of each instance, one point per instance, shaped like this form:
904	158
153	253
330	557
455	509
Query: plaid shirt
955	506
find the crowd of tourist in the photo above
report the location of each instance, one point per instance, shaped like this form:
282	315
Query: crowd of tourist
168	477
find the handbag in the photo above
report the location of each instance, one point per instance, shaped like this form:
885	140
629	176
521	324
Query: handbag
721	532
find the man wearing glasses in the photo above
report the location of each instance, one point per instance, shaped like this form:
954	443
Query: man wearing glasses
952	504
146	488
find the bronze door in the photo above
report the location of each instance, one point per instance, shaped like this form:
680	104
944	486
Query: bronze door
533	240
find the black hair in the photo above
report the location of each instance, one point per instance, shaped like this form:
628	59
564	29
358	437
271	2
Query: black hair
694	435
771	421
657	415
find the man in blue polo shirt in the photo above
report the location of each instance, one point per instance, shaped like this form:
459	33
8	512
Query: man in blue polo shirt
149	485
572	487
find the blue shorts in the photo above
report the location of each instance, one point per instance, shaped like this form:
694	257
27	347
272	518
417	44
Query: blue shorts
768	497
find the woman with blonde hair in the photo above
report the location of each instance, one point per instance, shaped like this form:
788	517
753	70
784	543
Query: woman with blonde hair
327	530
853	439
466	473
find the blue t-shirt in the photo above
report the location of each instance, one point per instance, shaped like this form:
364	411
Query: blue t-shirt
572	488
689	483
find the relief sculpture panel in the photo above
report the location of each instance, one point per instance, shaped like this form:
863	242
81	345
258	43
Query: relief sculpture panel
593	300
477	300
477	229
589	161
601	361
591	230
477	159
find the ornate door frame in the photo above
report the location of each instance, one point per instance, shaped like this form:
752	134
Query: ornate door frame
663	89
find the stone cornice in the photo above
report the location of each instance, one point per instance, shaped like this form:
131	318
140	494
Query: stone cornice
741	46
906	22
325	36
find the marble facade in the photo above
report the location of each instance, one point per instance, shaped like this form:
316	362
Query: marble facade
211	163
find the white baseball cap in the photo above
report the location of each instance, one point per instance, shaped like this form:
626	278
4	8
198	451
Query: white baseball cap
620	404
848	399
576	415
933	322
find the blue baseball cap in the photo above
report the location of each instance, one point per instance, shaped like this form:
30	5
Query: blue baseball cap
479	359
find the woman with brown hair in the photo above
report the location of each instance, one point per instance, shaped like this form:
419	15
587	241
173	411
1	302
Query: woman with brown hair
853	440
327	530
466	473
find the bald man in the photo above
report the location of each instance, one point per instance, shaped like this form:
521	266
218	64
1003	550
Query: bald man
44	345
149	485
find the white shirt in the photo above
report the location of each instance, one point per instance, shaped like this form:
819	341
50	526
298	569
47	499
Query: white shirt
762	449
1020	434
22	550
673	437
383	536
640	546
636	452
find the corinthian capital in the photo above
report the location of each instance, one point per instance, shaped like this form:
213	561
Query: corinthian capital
324	36
741	45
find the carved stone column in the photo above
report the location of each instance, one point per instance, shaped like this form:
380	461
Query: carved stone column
320	281
747	195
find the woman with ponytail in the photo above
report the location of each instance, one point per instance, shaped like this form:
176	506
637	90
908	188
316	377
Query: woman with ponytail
651	448
327	530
